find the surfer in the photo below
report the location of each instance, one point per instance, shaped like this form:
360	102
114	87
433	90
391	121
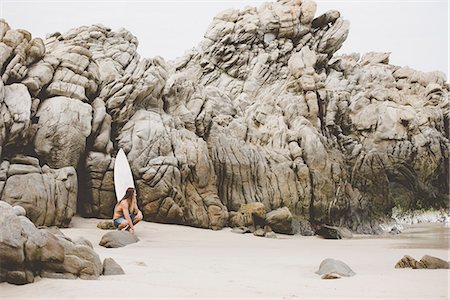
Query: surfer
126	211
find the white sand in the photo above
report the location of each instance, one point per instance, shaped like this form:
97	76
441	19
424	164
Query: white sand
173	261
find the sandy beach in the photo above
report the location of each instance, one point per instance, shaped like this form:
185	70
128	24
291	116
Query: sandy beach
173	261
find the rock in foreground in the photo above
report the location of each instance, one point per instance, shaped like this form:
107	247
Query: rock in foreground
26	252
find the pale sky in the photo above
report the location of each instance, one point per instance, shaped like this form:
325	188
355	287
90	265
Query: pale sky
416	32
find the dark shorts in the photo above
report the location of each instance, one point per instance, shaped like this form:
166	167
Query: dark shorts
119	221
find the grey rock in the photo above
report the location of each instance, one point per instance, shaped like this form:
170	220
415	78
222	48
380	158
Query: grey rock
52	229
99	198
116	239
259	232
165	157
16	169
280	220
106	224
19	210
79	259
5	206
17	101
27	251
241	230
83	241
270	235
302	227
432	262
333	267
64	124
19	277
394	231
21	159
333	232
111	267
57	275
48	195
11	239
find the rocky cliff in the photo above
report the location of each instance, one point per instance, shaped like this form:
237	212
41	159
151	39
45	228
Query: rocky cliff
263	110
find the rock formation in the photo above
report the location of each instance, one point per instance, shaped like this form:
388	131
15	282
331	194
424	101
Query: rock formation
26	252
49	196
426	262
263	110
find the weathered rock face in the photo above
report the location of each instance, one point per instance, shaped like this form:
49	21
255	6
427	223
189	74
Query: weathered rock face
27	252
64	124
49	196
391	122
248	215
175	175
263	110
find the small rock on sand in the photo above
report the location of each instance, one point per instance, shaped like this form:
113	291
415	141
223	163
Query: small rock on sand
106	224
332	232
241	230
427	262
116	239
332	269
111	267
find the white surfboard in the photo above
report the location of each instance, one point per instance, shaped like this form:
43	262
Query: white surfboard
123	177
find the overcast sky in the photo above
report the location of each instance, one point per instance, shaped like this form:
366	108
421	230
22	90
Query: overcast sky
416	32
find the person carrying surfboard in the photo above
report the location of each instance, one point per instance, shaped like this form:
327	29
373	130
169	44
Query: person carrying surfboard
126	212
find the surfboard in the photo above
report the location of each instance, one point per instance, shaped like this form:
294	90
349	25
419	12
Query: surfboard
123	177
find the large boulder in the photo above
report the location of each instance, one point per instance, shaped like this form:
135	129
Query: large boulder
333	232
48	195
80	260
64	124
97	186
280	220
27	252
15	109
250	214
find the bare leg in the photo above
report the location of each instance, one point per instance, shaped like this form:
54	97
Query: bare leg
123	225
137	219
